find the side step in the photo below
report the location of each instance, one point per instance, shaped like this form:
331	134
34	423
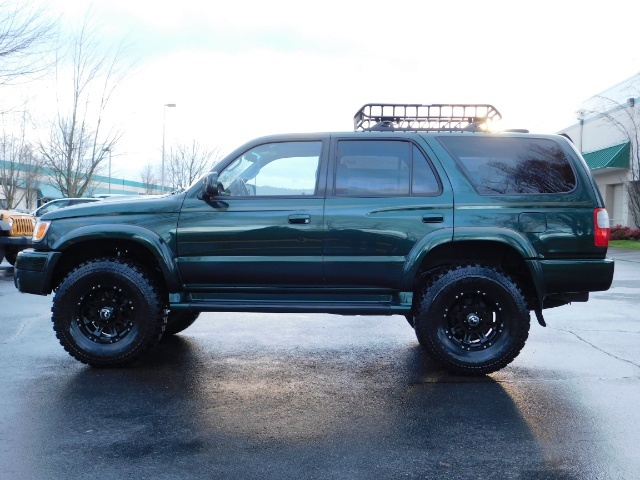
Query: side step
339	308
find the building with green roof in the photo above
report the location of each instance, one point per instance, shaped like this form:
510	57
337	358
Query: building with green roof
606	133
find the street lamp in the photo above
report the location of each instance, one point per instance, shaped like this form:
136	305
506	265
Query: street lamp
164	117
108	149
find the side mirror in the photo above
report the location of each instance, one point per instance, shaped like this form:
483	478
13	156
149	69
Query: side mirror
210	185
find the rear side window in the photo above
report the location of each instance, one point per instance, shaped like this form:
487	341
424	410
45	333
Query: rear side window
512	166
383	168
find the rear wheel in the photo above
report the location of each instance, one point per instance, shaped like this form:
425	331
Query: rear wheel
108	312
472	320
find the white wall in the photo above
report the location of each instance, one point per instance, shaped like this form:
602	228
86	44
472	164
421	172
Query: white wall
598	131
611	184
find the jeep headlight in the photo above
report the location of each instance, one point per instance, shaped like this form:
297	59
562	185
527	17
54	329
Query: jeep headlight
40	230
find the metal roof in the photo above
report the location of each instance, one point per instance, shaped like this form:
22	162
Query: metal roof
48	191
616	156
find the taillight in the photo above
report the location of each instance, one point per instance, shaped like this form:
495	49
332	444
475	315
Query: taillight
601	227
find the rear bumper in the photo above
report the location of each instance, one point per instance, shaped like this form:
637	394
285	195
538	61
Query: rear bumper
33	271
564	276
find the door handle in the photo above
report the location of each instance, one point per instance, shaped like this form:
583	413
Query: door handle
300	219
436	218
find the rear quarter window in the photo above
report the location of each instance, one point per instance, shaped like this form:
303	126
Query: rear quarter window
512	165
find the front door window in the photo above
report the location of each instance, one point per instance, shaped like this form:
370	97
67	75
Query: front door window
274	169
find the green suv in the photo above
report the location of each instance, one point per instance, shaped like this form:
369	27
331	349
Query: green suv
421	212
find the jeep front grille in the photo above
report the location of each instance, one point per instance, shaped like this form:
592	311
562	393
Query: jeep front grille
22	227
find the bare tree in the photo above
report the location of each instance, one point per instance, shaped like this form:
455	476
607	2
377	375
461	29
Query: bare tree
77	142
624	116
189	162
149	177
19	169
25	36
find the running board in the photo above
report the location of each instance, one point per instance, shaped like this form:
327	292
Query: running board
339	308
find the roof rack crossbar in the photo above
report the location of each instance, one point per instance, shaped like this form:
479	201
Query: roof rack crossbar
417	117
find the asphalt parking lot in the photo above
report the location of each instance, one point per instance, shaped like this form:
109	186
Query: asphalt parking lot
256	396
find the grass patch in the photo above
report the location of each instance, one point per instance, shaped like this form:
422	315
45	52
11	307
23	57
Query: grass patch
629	244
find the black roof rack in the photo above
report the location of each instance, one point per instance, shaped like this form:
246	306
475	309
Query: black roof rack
416	117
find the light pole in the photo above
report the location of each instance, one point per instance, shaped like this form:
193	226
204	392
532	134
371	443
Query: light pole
164	117
108	149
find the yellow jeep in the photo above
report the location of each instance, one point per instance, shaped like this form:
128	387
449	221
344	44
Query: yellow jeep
15	233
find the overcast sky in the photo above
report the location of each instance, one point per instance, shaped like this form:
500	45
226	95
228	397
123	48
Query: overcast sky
240	69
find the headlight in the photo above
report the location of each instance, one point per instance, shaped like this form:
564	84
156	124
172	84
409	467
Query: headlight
40	230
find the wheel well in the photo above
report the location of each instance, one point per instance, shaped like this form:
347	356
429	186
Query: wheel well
82	252
492	254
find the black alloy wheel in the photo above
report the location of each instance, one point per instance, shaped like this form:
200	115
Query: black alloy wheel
108	312
472	320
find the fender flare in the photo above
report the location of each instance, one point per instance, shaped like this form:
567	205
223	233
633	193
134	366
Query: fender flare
419	251
514	239
156	244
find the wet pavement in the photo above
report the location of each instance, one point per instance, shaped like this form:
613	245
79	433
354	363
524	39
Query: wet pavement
325	397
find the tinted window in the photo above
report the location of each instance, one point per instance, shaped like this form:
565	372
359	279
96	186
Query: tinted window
376	168
287	168
424	181
511	166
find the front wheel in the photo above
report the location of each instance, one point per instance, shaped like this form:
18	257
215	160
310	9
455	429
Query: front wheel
472	320
108	312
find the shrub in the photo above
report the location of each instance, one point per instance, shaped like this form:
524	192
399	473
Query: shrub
619	232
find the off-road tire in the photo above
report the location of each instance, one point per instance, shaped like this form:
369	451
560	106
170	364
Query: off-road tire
179	320
108	312
472	320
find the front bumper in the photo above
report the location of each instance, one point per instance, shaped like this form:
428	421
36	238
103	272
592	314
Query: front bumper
19	242
33	271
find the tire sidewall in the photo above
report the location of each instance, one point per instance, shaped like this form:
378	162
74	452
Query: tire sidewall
146	317
432	322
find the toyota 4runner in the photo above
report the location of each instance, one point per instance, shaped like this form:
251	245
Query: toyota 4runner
421	212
